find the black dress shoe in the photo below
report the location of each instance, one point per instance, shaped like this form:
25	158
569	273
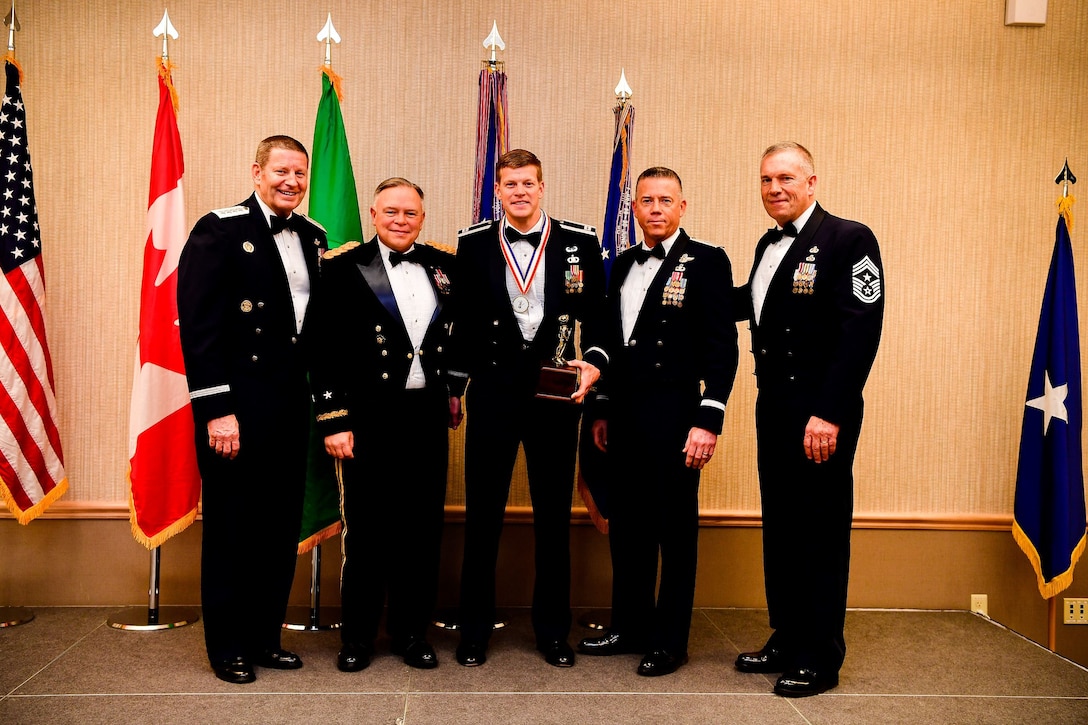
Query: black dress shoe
416	653
471	654
765	660
805	682
557	653
354	657
659	662
612	643
236	671
278	659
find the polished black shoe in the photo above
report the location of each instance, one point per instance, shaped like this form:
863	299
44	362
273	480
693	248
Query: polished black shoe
557	653
765	660
471	654
612	643
236	671
659	662
354	657
278	659
805	682
416	653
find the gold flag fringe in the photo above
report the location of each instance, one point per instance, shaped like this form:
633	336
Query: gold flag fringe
1065	209
10	58
1048	589
151	542
336	80
165	69
25	517
319	537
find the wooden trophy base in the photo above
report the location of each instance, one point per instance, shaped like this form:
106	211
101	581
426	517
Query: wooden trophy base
557	383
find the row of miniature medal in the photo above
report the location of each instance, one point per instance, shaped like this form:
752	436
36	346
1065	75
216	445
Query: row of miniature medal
804	277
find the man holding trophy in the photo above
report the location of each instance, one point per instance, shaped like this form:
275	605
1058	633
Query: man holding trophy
525	282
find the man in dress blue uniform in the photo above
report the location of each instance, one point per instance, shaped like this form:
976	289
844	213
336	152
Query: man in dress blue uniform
244	283
659	413
521	282
383	405
815	301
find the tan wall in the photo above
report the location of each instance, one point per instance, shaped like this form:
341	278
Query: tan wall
935	124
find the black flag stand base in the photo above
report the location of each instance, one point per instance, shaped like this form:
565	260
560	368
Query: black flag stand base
14	616
303	619
153	618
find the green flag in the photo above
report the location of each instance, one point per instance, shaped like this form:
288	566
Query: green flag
335	204
333	198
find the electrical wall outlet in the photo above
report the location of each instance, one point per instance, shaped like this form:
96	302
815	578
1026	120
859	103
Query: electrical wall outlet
979	604
1076	611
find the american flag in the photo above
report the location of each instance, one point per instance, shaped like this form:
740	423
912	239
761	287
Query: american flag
31	460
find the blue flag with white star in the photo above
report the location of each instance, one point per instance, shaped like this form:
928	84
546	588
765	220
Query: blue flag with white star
1049	516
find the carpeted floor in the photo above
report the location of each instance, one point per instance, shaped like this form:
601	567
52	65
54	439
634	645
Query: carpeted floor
69	666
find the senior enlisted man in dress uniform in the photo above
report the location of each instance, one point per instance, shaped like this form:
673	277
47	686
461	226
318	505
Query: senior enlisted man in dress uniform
815	301
382	402
245	279
660	412
520	281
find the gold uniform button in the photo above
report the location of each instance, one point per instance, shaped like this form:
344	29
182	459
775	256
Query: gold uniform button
385	376
409	356
246	305
384	353
294	340
377	328
632	343
254	358
438	349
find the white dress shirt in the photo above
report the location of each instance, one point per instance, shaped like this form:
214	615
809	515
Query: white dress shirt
770	261
529	320
289	247
638	281
417	302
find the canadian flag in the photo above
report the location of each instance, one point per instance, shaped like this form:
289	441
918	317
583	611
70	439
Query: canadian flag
162	452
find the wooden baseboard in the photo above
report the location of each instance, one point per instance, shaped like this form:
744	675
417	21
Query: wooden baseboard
109	510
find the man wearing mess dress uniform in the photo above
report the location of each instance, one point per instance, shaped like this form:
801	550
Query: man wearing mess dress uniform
245	278
815	302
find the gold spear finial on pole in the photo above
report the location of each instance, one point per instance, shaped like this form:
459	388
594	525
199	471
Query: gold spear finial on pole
623	90
1065	202
12	22
329	35
492	42
167	30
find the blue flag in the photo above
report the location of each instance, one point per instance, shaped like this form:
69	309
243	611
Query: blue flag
617	233
1049	516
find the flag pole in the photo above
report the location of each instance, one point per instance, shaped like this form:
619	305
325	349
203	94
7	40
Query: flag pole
1065	204
13	616
303	619
155	617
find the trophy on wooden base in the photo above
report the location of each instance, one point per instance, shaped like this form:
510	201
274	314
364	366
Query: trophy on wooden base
558	380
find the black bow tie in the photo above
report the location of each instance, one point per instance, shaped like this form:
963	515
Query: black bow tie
396	258
788	230
642	253
513	235
279	223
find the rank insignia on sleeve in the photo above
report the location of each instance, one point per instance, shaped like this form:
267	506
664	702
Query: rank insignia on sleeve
866	281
